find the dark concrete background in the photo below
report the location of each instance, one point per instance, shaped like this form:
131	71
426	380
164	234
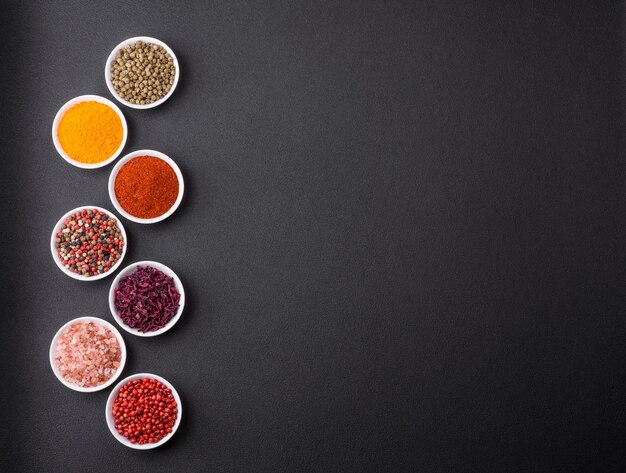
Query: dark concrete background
402	241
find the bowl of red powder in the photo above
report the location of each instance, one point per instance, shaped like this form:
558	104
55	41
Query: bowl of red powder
87	354
146	298
143	411
146	186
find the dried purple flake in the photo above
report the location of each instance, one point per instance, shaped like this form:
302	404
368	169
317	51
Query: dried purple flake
147	299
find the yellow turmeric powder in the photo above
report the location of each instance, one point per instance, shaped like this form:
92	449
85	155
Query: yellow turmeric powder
90	132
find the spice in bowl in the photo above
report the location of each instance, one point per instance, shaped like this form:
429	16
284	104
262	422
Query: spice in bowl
87	354
147	299
146	187
89	242
90	132
144	411
142	73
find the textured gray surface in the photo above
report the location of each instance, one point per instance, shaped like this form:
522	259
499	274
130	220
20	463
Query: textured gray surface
400	243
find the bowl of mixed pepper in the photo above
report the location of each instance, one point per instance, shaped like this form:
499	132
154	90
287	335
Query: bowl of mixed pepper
88	243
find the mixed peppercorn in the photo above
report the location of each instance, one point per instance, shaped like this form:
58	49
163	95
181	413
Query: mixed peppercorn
90	242
144	411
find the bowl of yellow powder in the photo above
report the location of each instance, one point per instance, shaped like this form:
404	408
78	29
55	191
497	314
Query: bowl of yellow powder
89	131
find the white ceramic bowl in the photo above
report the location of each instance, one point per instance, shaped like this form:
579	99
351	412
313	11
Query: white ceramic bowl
111	59
156	154
130	269
57	260
70	104
111	380
111	420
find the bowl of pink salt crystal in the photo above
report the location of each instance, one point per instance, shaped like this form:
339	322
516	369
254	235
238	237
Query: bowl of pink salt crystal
87	354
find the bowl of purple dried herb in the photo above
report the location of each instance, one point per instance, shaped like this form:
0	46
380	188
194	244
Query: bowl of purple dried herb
146	298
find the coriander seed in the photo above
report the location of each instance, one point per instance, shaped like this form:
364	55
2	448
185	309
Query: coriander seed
142	73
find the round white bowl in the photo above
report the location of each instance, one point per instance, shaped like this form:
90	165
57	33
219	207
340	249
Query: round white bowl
156	154
130	269
111	380
111	421
111	59
70	104
57	260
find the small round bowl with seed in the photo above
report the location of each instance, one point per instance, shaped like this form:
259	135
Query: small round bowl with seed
88	243
115	394
142	72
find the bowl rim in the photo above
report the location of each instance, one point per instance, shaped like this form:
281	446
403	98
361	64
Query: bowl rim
127	270
80	277
113	378
69	104
145	39
111	423
156	154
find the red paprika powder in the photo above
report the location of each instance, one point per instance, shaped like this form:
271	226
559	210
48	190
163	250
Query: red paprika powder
146	187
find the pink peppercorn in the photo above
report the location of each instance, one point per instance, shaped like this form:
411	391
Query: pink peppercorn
144	411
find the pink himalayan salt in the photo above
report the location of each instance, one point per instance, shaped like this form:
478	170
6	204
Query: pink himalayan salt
87	354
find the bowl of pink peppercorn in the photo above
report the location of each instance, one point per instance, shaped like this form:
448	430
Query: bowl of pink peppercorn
143	411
